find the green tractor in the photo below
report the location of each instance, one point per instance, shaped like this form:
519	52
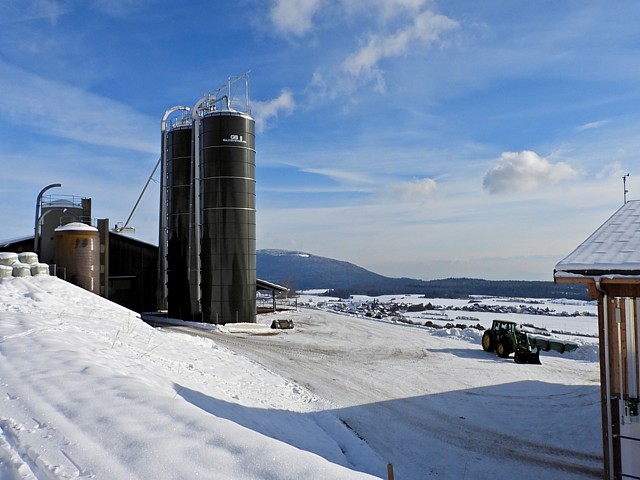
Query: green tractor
505	337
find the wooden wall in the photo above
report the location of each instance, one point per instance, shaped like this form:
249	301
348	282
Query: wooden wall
620	375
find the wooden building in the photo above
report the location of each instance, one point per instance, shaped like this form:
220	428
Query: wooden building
608	262
128	268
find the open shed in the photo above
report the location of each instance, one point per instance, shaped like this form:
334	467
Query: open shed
608	262
273	288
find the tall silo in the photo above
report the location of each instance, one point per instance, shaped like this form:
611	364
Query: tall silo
207	219
228	216
181	255
59	210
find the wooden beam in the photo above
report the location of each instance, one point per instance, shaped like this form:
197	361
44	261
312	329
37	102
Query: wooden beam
573	280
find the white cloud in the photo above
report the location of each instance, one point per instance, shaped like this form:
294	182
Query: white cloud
390	8
342	175
426	28
593	125
263	111
611	170
416	188
293	16
69	112
526	170
382	9
12	11
119	8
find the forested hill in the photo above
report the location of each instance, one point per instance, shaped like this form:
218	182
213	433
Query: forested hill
303	271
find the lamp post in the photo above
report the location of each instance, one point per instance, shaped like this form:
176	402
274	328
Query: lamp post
36	238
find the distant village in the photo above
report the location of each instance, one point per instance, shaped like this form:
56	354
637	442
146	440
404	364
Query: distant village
434	315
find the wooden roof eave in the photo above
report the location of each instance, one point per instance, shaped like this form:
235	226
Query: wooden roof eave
613	284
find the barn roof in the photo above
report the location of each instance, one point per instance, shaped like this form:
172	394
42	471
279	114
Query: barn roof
613	249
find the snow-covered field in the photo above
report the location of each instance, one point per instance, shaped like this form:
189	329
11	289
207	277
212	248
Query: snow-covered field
88	390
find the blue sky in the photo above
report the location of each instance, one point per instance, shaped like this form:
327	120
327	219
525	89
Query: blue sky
414	138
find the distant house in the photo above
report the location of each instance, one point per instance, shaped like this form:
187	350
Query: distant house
608	262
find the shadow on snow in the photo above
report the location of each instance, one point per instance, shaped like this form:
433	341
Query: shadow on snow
457	434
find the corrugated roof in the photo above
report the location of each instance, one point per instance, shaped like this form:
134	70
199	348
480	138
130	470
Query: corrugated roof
264	285
613	248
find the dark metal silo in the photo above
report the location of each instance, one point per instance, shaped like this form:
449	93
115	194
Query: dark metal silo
182	277
228	217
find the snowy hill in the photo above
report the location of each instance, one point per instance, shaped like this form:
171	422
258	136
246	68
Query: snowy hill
304	271
87	390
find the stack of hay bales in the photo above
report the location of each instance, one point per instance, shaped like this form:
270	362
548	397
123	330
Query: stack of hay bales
24	264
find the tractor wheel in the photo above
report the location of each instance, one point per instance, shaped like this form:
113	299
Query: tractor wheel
488	342
503	348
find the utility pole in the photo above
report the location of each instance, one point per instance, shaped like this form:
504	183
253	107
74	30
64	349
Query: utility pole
624	187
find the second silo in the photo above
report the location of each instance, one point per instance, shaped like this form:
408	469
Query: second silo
182	265
228	217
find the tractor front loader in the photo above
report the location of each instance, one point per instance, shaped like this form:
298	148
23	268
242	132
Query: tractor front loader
505	338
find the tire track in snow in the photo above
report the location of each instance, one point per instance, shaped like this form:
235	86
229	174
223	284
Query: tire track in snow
25	461
18	463
321	370
455	431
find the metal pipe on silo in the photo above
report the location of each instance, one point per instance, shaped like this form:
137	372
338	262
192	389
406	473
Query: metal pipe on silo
37	228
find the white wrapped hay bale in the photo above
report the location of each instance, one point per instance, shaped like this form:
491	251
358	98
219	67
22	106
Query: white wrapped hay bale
5	271
39	269
28	257
8	258
21	270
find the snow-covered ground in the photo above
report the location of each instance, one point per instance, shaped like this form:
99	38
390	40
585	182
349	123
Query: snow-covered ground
564	314
88	390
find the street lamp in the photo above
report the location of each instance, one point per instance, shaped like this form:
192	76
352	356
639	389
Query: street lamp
36	238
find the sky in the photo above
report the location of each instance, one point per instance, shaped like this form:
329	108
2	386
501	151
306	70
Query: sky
414	138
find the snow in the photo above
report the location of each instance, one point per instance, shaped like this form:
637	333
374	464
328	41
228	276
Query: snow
564	315
28	257
8	258
21	270
88	390
613	247
76	226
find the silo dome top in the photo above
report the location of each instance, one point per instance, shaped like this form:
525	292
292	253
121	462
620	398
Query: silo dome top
76	226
